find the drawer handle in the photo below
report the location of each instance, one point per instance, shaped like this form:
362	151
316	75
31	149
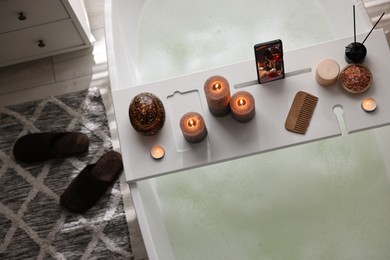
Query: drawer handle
41	44
21	16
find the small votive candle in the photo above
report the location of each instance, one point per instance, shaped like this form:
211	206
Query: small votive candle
217	92
242	105
157	152
368	104
193	127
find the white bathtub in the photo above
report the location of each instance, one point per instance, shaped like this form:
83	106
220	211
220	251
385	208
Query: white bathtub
323	200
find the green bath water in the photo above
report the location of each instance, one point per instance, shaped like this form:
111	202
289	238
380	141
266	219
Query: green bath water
324	200
179	37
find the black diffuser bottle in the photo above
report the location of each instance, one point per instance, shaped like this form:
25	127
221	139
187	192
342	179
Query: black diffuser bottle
355	52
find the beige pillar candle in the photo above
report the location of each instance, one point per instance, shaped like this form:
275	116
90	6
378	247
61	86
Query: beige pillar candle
193	127
327	72
217	92
242	105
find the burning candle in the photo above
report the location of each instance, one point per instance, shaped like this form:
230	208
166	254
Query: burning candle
217	92
242	105
368	104
193	127
157	152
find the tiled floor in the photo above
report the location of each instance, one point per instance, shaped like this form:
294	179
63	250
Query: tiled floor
82	69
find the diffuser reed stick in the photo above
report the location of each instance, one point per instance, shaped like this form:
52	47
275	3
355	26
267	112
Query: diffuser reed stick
373	27
354	25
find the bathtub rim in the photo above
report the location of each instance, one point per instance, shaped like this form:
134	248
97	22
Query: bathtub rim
148	235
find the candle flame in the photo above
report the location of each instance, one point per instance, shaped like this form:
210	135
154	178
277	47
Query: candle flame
216	85
241	102
191	122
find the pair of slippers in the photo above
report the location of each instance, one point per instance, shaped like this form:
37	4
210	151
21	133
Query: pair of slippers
90	184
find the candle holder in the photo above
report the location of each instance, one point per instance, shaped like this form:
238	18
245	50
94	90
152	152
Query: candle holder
242	105
193	127
147	114
217	92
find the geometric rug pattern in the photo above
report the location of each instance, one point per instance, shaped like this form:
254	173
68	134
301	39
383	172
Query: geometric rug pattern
33	224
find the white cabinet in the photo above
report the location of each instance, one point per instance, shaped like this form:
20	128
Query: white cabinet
31	29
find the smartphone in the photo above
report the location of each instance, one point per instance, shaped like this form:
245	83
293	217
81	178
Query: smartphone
269	61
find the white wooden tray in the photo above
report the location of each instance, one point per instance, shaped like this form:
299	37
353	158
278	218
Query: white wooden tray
228	139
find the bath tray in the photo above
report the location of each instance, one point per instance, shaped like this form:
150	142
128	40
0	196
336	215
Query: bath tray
228	139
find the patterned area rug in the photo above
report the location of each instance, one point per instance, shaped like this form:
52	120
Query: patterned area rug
33	224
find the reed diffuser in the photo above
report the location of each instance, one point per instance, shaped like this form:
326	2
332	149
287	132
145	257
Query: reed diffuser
355	52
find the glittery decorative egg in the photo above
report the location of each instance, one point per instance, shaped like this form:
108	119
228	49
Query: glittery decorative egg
147	114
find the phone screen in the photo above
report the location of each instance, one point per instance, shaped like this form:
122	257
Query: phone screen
269	61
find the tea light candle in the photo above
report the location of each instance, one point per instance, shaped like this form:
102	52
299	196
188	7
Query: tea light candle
193	127
242	105
217	92
157	152
368	104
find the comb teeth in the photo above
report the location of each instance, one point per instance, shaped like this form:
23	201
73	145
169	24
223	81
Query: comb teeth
301	112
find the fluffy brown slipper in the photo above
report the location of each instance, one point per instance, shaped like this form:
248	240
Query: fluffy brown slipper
92	182
40	147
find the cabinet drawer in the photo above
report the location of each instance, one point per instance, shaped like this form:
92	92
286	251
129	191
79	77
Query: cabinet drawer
18	14
25	43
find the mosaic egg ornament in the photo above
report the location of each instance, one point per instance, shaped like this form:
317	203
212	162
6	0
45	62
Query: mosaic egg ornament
147	114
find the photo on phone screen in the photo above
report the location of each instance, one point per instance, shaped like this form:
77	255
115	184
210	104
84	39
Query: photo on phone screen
269	61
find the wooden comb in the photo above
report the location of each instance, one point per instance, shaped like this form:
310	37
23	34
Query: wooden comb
300	113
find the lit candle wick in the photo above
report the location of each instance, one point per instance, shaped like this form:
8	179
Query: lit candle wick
217	86
191	122
241	102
